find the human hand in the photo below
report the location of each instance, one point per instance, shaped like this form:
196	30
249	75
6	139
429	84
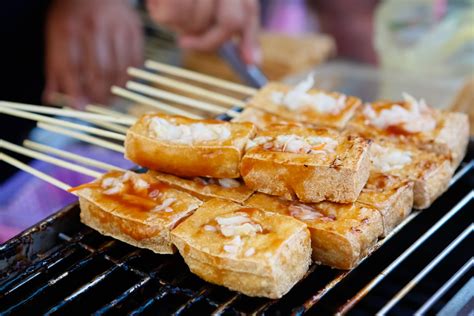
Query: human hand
205	25
89	45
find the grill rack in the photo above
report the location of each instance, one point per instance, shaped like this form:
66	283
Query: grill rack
61	266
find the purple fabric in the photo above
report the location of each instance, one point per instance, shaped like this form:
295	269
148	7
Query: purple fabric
290	17
26	200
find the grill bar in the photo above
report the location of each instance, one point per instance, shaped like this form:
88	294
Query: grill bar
364	291
226	304
86	287
63	275
441	291
424	272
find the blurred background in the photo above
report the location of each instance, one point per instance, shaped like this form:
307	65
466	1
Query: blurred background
368	48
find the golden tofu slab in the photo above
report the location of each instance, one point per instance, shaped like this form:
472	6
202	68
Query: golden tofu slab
260	118
411	121
135	208
306	105
188	147
306	164
341	234
391	196
207	188
245	249
429	171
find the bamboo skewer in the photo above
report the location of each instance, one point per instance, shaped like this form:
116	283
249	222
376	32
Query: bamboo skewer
58	162
101	110
83	137
62	112
145	75
111	126
188	74
217	109
151	102
41	175
75	157
46	119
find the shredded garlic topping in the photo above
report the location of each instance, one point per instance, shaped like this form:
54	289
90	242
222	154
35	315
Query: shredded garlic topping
417	118
299	97
296	144
188	133
387	159
114	186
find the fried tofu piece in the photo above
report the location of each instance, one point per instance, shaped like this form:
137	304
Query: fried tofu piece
245	249
134	208
188	147
306	105
341	234
207	188
412	121
392	196
307	164
260	118
430	172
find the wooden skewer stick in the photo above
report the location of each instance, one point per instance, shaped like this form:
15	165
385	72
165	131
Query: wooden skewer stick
75	157
111	126
41	175
213	108
83	137
145	75
55	161
101	110
188	74
69	113
151	102
46	119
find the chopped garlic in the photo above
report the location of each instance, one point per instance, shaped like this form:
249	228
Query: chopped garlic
250	252
165	205
116	189
188	133
210	228
387	159
304	212
232	249
298	97
298	144
228	183
233	220
260	140
417	118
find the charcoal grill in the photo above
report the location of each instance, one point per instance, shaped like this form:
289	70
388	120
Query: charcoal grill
62	267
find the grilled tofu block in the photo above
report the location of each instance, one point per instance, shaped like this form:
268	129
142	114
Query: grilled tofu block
341	234
245	249
430	172
307	164
260	118
412	121
207	188
188	147
306	105
392	196
135	208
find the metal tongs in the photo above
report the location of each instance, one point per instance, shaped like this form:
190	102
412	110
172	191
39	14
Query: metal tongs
250	74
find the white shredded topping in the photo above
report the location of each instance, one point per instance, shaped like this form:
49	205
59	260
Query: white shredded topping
387	159
238	225
298	97
210	228
250	252
234	246
417	118
260	140
188	133
304	212
228	183
298	144
165	206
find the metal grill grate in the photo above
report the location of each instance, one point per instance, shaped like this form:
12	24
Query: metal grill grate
61	267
